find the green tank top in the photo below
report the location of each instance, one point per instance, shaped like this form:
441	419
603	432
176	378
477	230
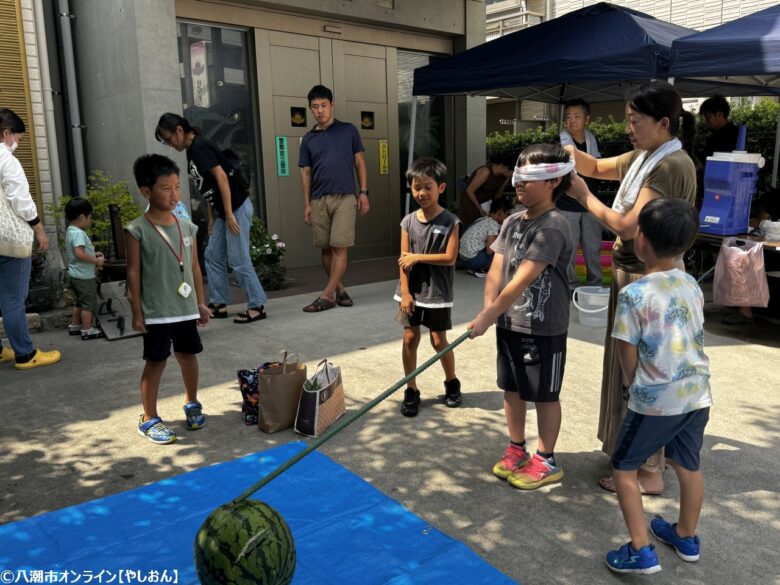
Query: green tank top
161	275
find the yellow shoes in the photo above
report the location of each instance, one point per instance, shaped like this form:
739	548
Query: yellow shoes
41	358
6	355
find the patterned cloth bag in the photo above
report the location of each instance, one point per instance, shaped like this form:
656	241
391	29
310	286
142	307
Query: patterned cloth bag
322	400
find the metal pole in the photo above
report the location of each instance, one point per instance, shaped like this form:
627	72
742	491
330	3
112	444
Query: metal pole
777	151
69	61
350	419
48	102
412	130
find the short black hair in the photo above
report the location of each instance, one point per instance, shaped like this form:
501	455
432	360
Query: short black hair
670	226
715	104
10	121
150	167
539	154
77	206
319	92
657	99
427	168
500	204
577	102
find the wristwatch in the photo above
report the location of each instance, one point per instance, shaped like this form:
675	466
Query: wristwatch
363	192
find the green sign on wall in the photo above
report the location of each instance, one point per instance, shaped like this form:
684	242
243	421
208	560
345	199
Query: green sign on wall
282	160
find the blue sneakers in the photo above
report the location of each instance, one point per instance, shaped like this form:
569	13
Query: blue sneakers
195	417
155	430
627	560
686	548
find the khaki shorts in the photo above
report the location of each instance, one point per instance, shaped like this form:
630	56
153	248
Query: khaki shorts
84	292
333	220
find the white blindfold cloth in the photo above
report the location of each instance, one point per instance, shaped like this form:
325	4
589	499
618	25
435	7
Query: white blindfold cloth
541	172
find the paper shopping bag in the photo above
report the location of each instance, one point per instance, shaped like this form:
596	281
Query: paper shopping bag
279	389
321	402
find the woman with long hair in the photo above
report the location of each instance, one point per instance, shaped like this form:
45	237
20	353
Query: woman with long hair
230	218
657	167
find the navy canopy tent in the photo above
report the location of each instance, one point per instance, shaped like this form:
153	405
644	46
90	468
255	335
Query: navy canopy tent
596	52
735	55
743	51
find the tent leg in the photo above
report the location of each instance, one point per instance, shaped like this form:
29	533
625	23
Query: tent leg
777	152
412	129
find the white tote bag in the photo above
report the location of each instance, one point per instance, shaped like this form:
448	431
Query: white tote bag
16	235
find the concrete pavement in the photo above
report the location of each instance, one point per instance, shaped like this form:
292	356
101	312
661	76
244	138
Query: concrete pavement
69	436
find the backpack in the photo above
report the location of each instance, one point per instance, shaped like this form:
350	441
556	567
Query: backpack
237	170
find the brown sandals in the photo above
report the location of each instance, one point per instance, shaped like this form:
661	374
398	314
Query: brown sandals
319	305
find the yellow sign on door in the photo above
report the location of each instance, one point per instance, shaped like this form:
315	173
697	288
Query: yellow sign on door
384	157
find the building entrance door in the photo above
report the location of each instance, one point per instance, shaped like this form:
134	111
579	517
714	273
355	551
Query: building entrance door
289	65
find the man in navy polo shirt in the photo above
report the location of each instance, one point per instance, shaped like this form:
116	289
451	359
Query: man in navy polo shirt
330	154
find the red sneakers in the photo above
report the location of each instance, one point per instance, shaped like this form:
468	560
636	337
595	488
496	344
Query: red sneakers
514	458
538	472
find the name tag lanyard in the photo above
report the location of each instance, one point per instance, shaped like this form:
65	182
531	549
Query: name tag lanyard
180	257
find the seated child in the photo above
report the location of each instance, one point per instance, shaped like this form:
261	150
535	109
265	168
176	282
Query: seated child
527	296
429	249
475	253
659	322
82	260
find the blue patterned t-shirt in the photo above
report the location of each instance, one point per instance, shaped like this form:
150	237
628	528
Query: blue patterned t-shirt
663	315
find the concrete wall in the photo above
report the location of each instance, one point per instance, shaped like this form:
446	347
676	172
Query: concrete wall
440	16
698	15
128	71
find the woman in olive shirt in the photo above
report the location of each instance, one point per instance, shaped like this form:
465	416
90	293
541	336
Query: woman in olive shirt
658	167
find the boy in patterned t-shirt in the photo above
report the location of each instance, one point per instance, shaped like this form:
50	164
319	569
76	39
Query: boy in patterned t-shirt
659	322
429	249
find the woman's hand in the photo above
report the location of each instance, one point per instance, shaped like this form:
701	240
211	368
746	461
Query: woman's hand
41	237
232	224
407	260
578	189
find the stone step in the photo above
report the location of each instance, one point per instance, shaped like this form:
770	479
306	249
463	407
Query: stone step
46	321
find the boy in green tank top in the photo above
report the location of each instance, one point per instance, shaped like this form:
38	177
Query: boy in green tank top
166	293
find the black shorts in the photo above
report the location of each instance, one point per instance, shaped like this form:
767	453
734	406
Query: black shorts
158	338
642	435
433	319
531	365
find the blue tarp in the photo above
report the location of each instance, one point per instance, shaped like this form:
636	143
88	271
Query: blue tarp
748	46
597	51
345	530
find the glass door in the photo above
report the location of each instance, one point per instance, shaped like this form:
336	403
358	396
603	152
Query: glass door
218	96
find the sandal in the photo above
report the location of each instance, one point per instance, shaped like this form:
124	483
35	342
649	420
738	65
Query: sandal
319	305
242	318
608	483
343	299
217	311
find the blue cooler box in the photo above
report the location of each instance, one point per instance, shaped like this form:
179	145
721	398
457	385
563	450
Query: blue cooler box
729	185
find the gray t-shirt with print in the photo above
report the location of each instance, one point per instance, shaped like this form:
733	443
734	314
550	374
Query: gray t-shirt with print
430	285
543	307
160	272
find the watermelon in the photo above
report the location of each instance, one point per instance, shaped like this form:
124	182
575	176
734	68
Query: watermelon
245	542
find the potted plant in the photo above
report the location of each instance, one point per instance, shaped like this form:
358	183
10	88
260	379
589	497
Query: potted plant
267	251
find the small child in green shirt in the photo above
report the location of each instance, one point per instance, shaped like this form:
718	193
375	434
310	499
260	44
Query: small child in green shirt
82	260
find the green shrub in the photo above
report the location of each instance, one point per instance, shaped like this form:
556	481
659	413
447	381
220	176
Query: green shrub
103	191
267	251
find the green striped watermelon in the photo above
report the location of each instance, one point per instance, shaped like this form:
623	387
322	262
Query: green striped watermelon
246	542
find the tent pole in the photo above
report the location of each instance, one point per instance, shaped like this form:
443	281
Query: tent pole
412	129
777	151
560	111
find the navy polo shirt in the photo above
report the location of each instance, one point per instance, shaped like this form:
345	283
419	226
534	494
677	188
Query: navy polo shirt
331	155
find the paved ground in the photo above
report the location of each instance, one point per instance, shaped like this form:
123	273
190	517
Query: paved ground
68	436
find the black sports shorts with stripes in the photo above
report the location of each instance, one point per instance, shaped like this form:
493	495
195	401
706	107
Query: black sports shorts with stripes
531	365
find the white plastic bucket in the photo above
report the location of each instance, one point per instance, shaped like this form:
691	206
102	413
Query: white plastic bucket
592	303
